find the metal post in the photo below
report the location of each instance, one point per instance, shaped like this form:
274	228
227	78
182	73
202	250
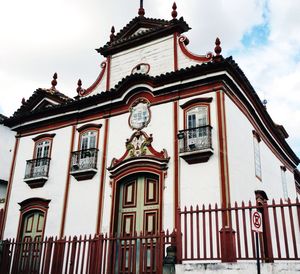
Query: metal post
257	254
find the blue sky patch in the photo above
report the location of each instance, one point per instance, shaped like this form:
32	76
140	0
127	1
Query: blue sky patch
257	36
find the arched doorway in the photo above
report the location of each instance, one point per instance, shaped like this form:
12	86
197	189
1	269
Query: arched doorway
137	181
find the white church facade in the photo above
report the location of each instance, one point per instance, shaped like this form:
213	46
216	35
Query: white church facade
159	130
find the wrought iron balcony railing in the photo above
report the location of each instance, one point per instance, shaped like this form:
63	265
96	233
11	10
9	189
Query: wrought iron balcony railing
37	168
84	160
195	139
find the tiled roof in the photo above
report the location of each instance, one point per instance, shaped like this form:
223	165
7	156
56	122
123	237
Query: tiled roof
37	96
2	118
228	65
155	28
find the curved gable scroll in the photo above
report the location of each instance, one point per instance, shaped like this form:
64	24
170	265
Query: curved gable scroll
84	92
139	152
183	41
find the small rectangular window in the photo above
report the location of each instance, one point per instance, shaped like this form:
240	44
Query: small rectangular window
284	184
257	161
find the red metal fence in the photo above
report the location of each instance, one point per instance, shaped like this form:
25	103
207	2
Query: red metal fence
204	234
213	233
99	254
1	217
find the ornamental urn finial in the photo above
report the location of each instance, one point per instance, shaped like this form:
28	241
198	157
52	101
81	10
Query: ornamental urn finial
218	48
141	11
174	12
54	82
79	88
112	35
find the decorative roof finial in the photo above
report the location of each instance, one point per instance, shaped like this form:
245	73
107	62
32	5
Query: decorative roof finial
79	88
54	82
218	48
174	12
112	35
23	101
141	9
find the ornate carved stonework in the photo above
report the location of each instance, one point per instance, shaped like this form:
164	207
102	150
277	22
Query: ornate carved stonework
140	114
139	145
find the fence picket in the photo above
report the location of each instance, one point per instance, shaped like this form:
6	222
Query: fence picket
144	252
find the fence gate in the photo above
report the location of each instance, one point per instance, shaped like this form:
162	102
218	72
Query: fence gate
101	254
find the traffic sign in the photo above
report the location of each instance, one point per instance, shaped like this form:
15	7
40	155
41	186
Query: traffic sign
256	221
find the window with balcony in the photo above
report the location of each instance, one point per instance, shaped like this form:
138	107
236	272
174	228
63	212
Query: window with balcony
195	144
37	169
84	161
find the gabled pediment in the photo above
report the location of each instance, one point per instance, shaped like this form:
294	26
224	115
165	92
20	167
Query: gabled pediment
45	103
139	150
140	25
142	30
41	99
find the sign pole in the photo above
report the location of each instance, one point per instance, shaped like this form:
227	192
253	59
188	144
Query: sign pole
256	224
257	253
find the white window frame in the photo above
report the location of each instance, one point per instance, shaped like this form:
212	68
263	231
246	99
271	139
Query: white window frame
257	156
42	149
88	135
284	183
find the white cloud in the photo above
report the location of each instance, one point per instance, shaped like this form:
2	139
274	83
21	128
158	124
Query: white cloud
43	37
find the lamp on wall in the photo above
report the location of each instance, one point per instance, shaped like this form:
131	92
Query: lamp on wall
180	135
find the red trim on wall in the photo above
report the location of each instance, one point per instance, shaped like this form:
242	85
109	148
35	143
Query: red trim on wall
182	40
66	196
195	101
176	165
102	177
223	157
175	35
9	187
121	109
108	73
160	100
134	99
141	64
89	126
44	136
96	83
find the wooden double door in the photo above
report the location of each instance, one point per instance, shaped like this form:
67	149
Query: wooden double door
139	205
28	252
138	223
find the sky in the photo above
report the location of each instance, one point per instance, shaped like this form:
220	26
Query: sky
40	37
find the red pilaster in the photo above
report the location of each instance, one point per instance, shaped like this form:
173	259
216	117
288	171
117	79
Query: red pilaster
66	196
102	178
10	181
